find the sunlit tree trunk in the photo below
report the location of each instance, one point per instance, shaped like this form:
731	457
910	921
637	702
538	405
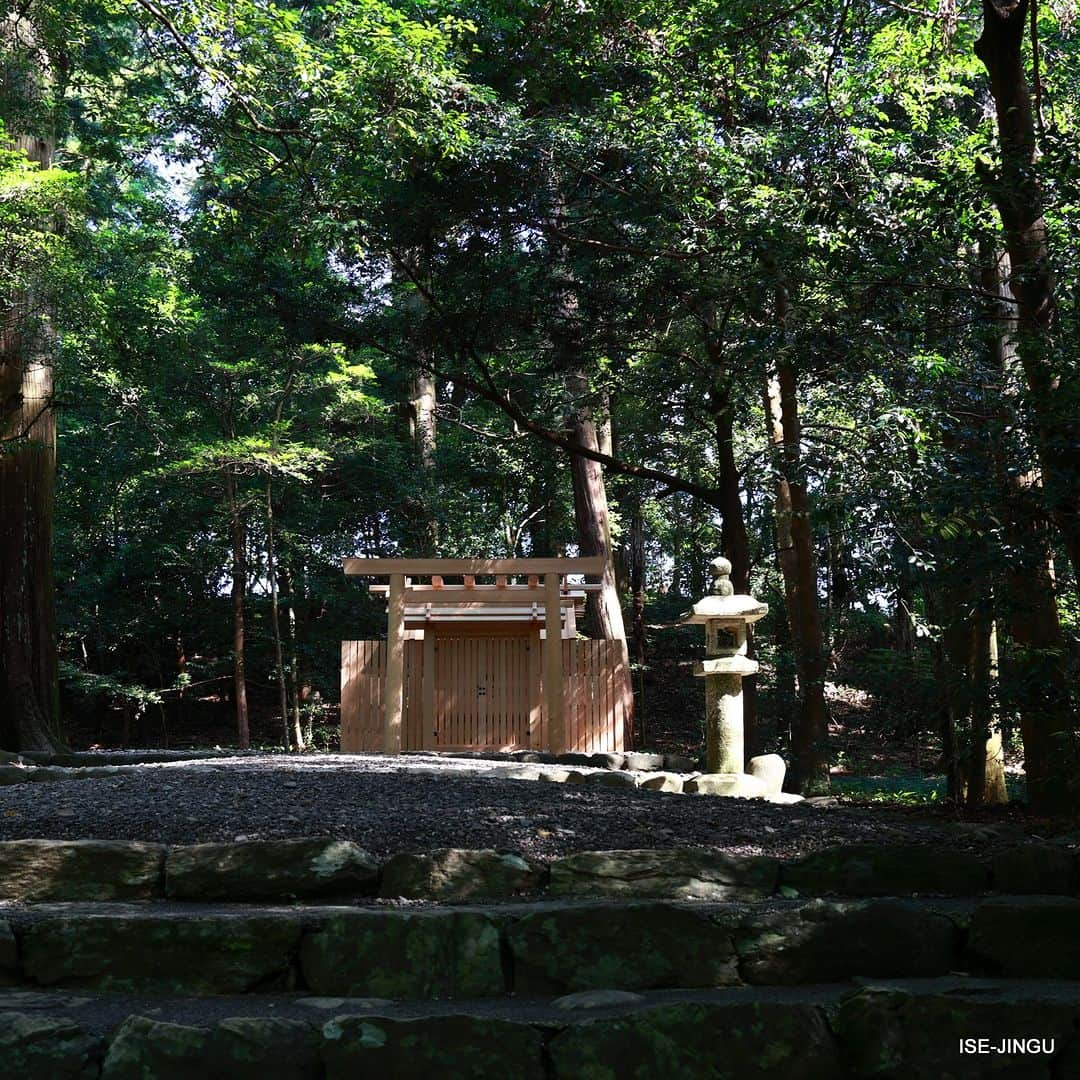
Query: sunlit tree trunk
603	611
809	771
29	698
734	542
1052	376
238	539
1041	689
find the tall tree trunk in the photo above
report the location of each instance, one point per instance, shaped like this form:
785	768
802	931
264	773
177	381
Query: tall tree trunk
1041	690
809	771
603	611
29	697
636	576
294	737
948	682
238	536
1052	376
986	766
287	585
734	542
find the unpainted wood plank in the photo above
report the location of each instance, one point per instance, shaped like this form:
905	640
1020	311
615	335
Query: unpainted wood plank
553	675
395	665
592	565
427	712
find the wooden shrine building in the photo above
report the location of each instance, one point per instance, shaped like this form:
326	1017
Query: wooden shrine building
483	666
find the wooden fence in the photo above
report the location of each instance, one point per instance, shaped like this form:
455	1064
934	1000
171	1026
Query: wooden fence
485	692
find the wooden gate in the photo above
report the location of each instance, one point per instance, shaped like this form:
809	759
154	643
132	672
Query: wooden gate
484	692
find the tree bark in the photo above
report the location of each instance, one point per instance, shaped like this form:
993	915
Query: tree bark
809	771
734	543
238	536
603	611
1041	689
29	695
1052	377
294	736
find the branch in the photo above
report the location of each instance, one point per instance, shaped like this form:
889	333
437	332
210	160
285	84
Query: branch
199	64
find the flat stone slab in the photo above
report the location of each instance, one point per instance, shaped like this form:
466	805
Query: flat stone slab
888	870
636	946
825	941
890	1031
445	1046
33	1046
43	870
1035	868
9	952
681	873
882	1028
455	874
209	954
270	870
765	1041
1032	937
405	954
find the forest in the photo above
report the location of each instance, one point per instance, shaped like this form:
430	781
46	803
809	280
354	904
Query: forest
796	282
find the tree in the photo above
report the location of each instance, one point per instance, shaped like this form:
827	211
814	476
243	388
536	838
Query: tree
36	198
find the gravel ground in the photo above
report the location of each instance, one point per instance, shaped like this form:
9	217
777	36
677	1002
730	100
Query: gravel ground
420	803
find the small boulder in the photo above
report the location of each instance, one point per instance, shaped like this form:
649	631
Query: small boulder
612	779
733	785
770	769
575	777
554	776
606	761
679	763
661	781
645	762
519	773
784	798
575	759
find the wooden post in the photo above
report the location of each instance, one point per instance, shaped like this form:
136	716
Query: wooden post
553	673
395	665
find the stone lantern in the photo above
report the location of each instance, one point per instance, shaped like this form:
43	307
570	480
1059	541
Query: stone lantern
725	617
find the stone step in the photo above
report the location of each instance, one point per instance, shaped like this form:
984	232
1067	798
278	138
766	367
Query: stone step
321	868
423	952
928	1028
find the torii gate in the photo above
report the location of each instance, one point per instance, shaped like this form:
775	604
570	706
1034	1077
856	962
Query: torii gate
460	668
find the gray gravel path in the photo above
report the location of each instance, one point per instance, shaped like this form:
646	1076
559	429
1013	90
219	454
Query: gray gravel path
419	803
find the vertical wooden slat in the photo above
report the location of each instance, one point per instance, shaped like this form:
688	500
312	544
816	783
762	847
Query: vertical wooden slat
553	675
427	719
537	735
395	664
